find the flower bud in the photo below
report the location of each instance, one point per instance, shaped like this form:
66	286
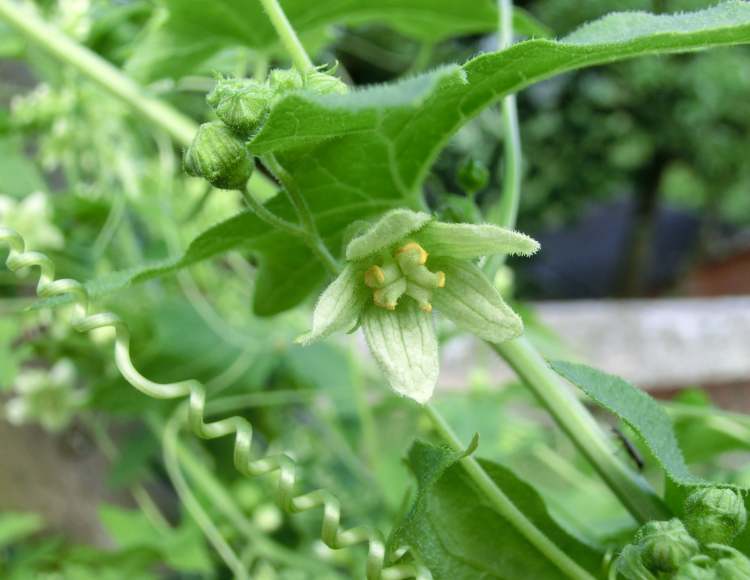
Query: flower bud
473	175
285	80
219	157
325	84
240	103
665	546
718	562
715	515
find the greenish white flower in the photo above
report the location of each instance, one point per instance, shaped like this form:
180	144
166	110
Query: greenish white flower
48	397
32	217
400	268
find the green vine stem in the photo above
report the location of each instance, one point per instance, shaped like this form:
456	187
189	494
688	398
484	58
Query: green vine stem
574	419
506	211
287	35
581	427
505	507
83	321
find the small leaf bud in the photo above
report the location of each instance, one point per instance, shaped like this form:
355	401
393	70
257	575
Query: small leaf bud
473	175
219	157
285	80
241	103
325	84
715	515
665	546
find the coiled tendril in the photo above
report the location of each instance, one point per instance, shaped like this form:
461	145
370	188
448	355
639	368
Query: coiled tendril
331	533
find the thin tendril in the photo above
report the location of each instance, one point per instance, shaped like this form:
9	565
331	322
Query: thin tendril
83	320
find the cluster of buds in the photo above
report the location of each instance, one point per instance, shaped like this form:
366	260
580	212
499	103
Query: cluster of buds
696	549
219	152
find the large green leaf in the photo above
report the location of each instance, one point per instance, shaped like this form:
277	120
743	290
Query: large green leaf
652	423
456	533
188	33
357	155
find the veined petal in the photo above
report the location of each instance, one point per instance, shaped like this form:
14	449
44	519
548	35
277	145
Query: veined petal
392	227
467	241
473	303
339	307
404	345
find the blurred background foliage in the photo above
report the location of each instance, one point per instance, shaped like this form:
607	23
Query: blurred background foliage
649	157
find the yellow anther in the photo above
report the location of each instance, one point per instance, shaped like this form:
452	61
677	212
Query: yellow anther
374	277
426	307
441	279
414	247
379	298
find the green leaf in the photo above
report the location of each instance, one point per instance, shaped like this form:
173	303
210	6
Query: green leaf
404	345
473	303
187	34
642	413
468	241
651	422
358	155
457	534
14	527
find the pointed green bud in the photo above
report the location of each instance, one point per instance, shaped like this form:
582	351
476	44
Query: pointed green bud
629	564
665	546
285	80
718	562
715	515
404	345
467	241
339	307
473	175
325	84
241	103
473	303
731	564
390	229
219	157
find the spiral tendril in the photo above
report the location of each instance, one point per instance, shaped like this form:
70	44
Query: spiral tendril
83	321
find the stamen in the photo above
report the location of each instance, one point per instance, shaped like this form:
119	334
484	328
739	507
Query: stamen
441	279
387	297
414	247
374	277
421	295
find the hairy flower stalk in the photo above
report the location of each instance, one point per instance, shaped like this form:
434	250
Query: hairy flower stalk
397	271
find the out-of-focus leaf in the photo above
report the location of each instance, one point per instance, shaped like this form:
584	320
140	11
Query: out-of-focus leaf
456	533
14	527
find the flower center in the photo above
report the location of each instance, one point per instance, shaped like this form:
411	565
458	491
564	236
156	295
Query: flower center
404	272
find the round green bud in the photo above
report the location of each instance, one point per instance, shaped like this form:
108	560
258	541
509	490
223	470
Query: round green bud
285	80
473	175
325	84
731	564
715	515
219	157
665	546
241	103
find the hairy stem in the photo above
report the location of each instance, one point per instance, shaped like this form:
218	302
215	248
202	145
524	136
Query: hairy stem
581	427
287	35
505	507
299	203
505	212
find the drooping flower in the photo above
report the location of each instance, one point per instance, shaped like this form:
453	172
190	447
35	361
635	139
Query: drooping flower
397	271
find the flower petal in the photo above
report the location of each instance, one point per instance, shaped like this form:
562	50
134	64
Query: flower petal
392	227
473	303
404	345
467	241
339	307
